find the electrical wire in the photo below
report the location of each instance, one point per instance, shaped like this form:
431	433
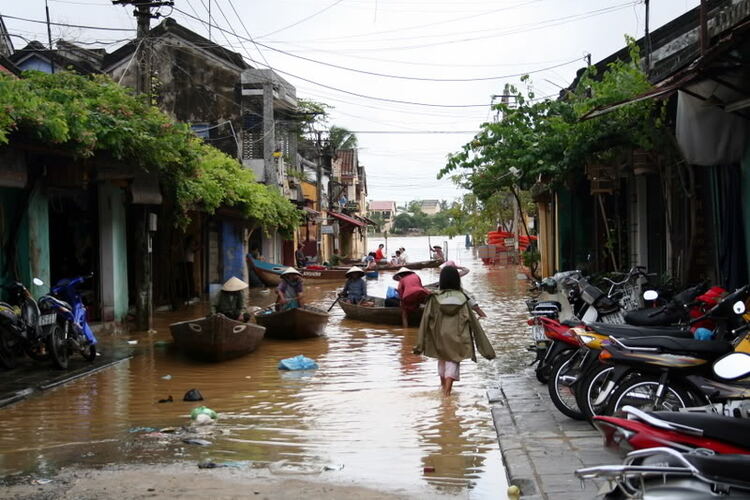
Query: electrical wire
100	28
429	25
296	23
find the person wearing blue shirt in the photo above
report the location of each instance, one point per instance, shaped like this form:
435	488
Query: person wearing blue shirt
355	289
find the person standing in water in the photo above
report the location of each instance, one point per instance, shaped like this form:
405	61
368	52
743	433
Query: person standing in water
411	293
449	331
289	292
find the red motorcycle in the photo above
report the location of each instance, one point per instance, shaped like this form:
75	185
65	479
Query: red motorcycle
682	431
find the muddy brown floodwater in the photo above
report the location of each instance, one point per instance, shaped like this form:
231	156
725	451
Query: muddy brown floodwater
371	414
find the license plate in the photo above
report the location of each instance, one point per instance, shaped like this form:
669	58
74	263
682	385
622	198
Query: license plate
47	319
537	332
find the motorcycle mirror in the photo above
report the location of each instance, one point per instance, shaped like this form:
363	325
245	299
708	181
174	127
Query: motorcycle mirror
38	282
733	366
650	295
739	307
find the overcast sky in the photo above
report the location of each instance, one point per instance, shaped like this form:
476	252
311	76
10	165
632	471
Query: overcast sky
420	41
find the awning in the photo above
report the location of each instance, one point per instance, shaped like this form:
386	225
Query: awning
366	220
346	218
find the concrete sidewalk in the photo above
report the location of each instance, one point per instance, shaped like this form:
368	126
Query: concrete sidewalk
32	377
541	447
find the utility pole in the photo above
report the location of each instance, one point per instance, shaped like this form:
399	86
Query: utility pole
146	225
49	39
647	40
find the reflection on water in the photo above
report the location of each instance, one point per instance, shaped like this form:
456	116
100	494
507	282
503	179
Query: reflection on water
373	407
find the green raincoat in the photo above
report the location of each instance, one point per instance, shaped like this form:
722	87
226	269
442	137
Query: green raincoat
449	329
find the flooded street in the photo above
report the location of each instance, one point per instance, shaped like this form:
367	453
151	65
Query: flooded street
372	413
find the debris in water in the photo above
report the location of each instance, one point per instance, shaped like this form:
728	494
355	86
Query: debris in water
333	467
167	377
208	465
42	481
167	400
429	469
143	429
299	362
193	395
199	442
132	342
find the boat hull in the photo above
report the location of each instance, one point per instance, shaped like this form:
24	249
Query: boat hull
379	314
216	338
293	324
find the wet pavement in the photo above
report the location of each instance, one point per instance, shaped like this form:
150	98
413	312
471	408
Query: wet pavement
372	413
541	446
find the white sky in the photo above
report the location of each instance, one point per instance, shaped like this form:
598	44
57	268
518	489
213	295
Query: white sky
436	39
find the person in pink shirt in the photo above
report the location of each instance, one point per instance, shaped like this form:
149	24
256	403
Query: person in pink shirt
410	291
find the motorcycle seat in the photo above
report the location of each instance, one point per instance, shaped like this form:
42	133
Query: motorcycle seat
675	345
730	430
55	301
730	469
572	322
654	317
630	331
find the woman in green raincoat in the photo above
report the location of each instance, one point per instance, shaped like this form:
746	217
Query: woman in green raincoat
449	331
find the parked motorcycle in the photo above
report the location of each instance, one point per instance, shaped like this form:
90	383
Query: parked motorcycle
664	473
594	384
75	335
664	373
685	432
23	326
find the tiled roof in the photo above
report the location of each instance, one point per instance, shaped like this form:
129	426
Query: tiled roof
347	158
382	205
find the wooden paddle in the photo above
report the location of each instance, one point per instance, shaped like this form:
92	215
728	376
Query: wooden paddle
334	303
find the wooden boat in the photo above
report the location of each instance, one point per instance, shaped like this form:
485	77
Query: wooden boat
292	324
378	313
270	274
421	264
216	337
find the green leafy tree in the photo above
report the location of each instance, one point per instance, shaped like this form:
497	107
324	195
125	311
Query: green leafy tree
546	139
83	116
341	138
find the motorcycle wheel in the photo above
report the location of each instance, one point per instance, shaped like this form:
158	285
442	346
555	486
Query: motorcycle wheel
57	346
563	395
7	353
89	352
589	388
640	392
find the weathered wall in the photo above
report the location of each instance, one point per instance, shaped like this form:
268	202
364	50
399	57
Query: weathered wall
113	259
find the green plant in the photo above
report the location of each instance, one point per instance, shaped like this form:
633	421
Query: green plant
86	115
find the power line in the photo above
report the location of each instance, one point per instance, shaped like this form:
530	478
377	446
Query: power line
384	75
67	25
356	94
428	25
303	19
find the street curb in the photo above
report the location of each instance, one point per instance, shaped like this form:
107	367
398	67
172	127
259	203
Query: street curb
541	448
22	394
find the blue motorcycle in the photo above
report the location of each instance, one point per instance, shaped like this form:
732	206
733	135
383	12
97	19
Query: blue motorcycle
71	332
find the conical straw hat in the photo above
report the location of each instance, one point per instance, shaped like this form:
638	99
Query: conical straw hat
354	269
291	270
403	270
234	284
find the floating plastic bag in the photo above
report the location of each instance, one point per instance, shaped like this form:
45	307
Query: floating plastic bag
391	293
203	410
298	363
